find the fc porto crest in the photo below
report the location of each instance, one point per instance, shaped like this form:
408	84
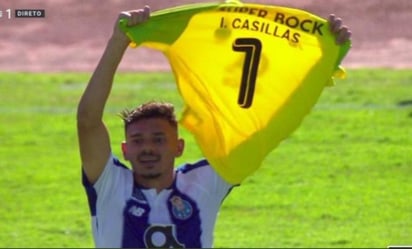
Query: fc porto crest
181	208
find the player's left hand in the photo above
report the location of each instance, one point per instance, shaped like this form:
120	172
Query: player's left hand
341	31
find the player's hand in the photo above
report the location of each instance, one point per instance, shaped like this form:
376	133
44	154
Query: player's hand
133	18
341	31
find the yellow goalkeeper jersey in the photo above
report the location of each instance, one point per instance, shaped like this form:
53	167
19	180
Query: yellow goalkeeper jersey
248	74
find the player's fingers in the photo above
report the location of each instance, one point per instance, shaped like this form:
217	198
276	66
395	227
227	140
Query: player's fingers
331	21
134	17
332	18
335	26
146	12
138	16
343	35
126	15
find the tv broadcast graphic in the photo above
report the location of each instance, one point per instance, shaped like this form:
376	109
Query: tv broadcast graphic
201	124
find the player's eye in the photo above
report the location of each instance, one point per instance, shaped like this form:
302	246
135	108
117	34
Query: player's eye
137	141
159	140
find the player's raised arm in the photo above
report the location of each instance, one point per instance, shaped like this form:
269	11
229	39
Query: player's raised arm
93	136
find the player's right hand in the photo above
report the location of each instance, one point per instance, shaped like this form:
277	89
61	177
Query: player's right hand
133	17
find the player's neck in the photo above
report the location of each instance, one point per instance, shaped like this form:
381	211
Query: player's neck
159	183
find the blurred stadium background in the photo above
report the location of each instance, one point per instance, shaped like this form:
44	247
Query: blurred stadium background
74	32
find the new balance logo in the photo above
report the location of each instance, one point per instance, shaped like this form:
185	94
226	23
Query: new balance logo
136	211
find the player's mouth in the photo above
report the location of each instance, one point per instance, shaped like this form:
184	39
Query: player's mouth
145	159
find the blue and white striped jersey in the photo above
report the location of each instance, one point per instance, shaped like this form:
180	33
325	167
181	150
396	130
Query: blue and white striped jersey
127	215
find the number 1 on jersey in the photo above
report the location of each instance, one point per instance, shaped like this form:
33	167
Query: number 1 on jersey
252	47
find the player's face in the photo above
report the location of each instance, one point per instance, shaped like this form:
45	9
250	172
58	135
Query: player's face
151	147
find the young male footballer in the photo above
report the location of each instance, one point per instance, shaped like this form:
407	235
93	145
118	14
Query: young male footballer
152	204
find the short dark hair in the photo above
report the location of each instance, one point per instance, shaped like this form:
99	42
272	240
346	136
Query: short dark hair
151	109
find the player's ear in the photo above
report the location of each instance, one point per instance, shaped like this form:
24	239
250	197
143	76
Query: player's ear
124	149
180	147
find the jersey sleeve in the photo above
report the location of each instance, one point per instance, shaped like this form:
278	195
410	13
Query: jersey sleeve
248	75
202	174
110	183
113	174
